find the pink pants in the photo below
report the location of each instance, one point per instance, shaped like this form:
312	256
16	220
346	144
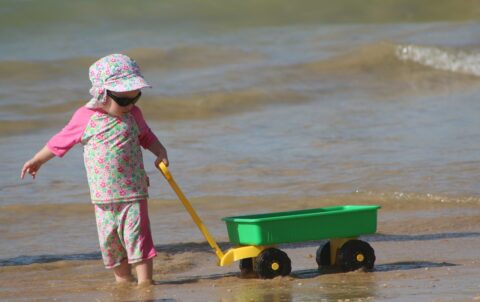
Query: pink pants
124	232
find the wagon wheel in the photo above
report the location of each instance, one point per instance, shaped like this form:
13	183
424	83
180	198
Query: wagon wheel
271	263
246	266
355	254
323	255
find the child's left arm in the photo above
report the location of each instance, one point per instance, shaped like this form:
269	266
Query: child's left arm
159	150
148	140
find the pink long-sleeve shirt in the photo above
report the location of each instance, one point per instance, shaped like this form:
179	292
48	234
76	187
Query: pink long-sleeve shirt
112	155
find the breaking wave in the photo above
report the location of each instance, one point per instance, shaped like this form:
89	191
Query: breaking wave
442	59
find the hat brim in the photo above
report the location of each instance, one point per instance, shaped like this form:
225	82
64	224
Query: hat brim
127	84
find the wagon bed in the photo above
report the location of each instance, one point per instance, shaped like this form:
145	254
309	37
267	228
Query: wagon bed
303	225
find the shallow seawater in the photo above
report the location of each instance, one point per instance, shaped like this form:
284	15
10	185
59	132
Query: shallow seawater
262	107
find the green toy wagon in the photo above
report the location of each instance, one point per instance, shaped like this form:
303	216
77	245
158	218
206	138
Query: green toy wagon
256	236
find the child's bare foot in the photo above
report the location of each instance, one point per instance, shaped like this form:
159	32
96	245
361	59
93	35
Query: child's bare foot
126	279
144	271
123	273
145	283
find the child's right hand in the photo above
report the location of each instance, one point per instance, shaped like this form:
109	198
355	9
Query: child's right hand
32	166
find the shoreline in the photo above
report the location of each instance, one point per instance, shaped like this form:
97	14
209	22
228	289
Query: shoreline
425	252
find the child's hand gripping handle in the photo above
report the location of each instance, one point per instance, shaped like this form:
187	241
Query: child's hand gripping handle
189	208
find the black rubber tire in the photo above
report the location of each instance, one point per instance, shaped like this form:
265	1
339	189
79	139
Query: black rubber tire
246	266
355	254
323	255
271	263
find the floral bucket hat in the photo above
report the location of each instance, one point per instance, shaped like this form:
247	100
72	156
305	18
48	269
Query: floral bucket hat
115	72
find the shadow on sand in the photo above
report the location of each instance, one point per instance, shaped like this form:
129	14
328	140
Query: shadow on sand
198	247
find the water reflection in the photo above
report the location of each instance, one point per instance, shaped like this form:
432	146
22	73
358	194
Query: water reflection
306	285
262	291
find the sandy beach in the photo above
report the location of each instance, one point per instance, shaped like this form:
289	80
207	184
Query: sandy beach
426	251
263	106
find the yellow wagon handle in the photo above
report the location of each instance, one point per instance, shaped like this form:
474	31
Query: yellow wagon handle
191	211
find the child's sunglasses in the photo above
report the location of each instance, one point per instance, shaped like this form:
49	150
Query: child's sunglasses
124	102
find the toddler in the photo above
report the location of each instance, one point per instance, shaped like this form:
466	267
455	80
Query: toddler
111	129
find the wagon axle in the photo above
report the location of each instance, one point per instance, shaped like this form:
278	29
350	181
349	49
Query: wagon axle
352	255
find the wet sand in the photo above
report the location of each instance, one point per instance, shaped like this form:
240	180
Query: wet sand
426	251
301	106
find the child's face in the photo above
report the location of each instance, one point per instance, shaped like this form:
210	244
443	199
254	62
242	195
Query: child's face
115	109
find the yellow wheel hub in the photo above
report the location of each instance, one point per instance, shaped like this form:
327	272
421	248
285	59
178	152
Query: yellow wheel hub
275	266
360	257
